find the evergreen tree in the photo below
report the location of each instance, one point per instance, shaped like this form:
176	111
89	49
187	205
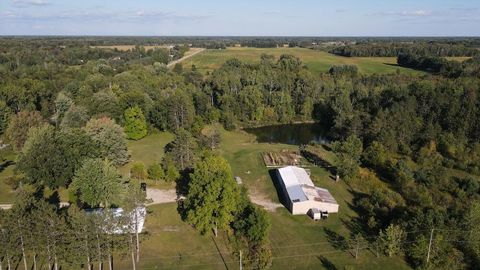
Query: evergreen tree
183	149
135	124
392	238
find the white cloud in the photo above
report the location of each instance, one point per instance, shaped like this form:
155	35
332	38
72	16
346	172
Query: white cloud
26	3
99	15
407	13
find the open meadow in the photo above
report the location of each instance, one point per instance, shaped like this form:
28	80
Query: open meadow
316	61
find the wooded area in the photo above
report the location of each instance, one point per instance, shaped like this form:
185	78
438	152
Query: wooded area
68	111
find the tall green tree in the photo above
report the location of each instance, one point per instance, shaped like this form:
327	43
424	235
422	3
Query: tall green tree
392	240
98	183
75	117
62	105
212	195
50	158
181	111
348	155
135	124
472	225
5	113
19	125
183	149
109	139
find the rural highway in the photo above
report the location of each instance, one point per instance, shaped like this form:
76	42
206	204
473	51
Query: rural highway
197	51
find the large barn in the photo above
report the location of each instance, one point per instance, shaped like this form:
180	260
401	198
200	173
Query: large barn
301	194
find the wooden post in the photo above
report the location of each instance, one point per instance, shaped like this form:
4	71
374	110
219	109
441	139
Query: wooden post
430	246
241	267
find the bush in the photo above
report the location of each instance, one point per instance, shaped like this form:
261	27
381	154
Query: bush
138	171
155	172
13	181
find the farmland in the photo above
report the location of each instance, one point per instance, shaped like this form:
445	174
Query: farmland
294	239
316	61
129	47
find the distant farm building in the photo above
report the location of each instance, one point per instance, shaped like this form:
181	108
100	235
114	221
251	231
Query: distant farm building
302	197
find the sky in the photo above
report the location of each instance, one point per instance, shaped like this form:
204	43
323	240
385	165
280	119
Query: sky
241	17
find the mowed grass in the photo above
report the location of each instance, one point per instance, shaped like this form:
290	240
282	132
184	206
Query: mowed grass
297	241
148	150
170	243
316	61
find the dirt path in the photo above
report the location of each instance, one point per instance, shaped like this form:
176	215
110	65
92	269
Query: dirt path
263	201
5	206
194	51
159	196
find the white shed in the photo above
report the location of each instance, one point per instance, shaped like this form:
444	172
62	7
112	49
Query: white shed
301	193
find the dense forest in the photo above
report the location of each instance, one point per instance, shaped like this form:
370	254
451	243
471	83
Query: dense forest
439	65
393	49
418	135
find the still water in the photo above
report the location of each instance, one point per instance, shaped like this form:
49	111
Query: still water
295	134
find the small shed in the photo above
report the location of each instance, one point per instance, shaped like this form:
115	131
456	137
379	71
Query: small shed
315	214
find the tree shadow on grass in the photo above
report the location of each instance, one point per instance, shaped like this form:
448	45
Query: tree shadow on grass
6	164
336	240
181	188
327	263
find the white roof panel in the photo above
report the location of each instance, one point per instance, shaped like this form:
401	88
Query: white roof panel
300	187
293	176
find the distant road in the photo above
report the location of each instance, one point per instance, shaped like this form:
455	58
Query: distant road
9	206
195	51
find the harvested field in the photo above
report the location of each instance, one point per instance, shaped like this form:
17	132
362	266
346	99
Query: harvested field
129	47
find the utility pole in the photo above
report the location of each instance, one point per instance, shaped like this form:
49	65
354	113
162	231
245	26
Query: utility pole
430	245
241	267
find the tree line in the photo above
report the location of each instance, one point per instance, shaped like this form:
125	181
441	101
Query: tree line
442	66
394	49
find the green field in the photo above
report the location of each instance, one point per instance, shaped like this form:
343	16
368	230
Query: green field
316	61
171	243
295	240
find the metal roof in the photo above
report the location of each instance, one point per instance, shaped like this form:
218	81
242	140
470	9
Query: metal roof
294	176
300	187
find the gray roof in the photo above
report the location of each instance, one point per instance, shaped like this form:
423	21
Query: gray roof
300	187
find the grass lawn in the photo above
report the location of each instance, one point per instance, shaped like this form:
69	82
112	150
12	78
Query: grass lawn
7	195
171	243
297	241
147	150
316	61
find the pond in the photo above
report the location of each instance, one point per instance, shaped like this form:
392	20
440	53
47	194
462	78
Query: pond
295	134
